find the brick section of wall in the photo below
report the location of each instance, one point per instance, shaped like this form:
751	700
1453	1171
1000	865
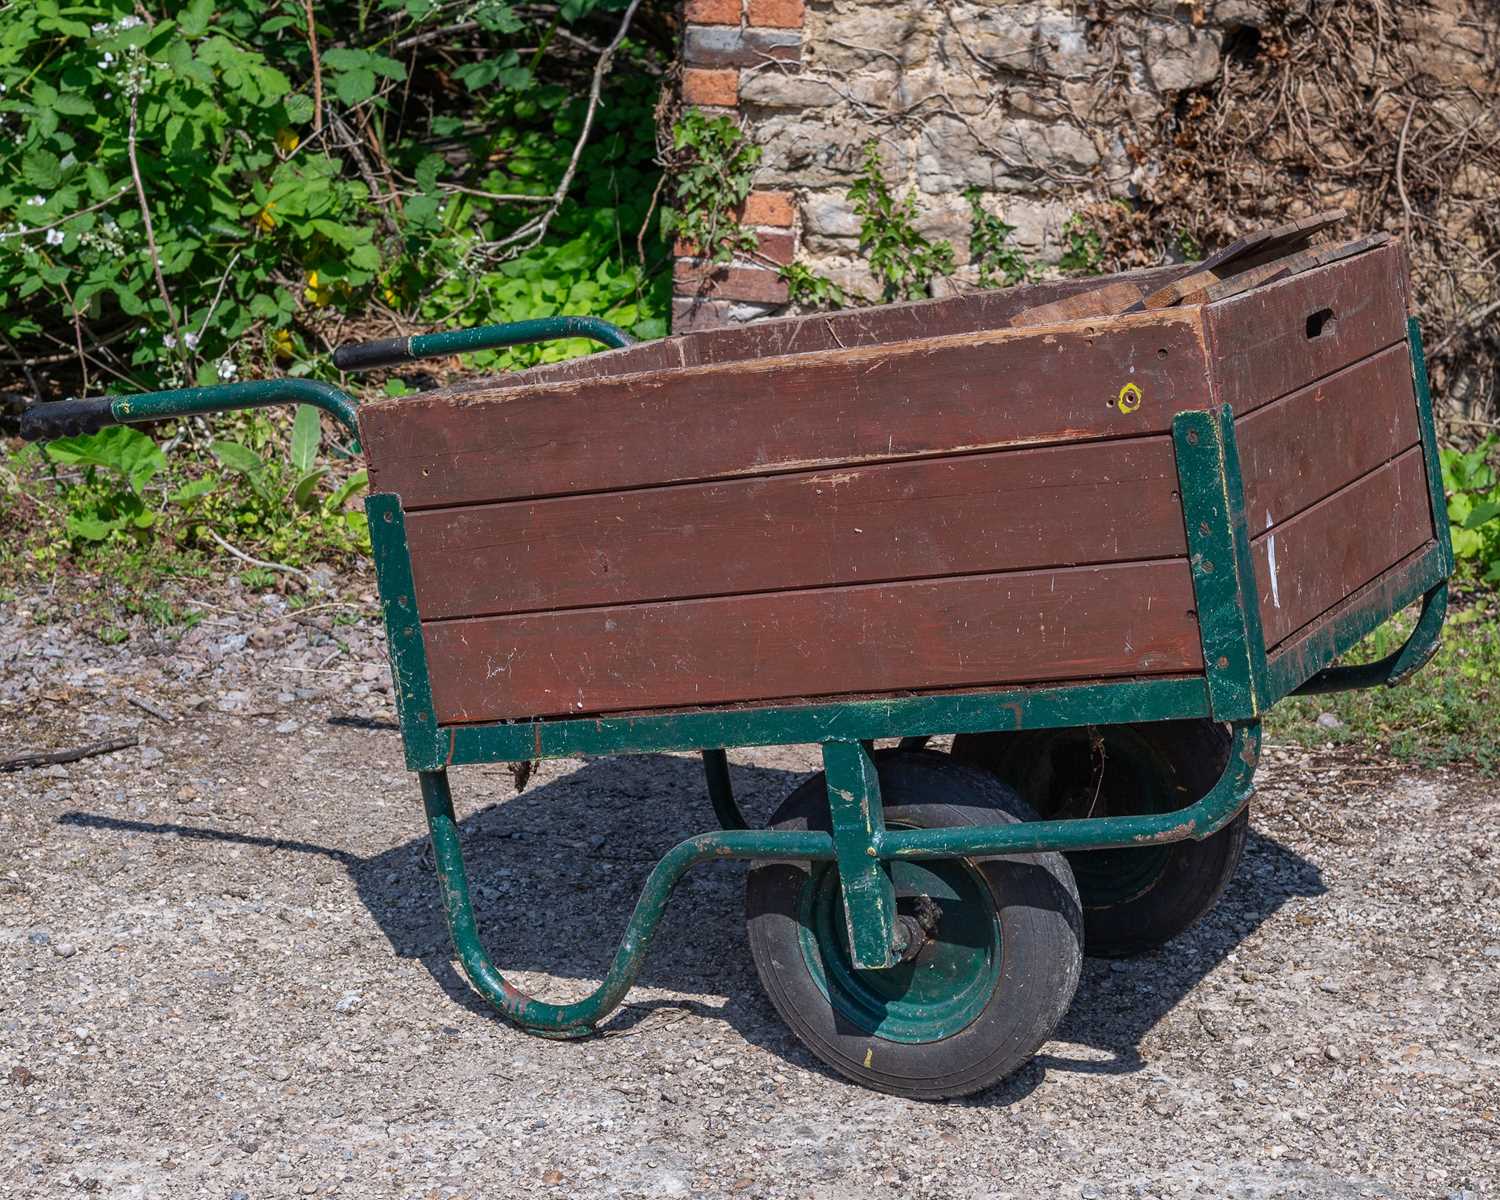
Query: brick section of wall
713	12
716	89
777	14
720	37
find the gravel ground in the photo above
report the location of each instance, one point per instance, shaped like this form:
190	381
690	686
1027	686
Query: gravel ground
226	972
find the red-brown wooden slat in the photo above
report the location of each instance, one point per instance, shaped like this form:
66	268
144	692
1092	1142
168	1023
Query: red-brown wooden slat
1076	623
1002	511
1337	546
1259	342
968	313
1305	446
972	392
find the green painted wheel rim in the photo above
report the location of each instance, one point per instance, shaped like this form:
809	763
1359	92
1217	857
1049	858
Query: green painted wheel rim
935	995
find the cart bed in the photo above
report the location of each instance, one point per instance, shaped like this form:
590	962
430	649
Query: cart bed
965	510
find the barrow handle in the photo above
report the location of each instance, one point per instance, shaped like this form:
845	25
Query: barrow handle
66	418
390	352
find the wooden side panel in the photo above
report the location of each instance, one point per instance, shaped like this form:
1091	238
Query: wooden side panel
1011	510
1080	623
1307	565
1305	446
1286	335
969	313
968	393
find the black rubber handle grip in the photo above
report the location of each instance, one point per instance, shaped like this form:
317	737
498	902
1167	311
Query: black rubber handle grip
66	418
366	356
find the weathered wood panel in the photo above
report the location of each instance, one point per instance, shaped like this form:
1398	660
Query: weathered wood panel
1305	446
1078	623
1309	564
1002	511
968	393
1286	335
969	313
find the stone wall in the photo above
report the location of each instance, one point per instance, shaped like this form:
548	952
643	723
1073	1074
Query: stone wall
1056	107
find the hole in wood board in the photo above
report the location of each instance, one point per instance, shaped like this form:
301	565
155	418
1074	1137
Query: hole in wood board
1320	323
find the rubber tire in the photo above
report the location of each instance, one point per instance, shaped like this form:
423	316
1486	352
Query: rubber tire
1188	758
1040	929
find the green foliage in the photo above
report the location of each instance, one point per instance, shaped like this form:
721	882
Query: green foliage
1473	490
807	288
903	259
989	249
1445	713
712	165
1085	247
270	219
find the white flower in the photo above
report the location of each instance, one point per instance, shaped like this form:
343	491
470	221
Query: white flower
226	369
99	26
129	22
107	60
54	237
169	341
37	201
190	340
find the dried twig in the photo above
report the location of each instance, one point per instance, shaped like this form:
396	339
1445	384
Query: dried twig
533	231
140	194
54	757
256	562
156	710
317	66
15	233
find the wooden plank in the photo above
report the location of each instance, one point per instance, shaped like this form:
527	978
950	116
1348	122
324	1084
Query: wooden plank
1244	253
1282	268
1262	344
1309	564
1176	291
1011	510
1106	301
1077	623
1307	445
972	392
813	332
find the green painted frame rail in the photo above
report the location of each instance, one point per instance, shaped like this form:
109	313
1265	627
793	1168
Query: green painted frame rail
1203	819
66	417
389	352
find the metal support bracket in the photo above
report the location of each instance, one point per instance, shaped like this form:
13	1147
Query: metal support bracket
858	827
1228	600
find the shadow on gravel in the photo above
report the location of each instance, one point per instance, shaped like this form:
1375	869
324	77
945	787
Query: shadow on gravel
555	872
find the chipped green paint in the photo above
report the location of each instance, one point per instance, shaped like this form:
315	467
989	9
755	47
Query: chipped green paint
425	743
1429	444
1198	821
858	819
227	397
848	720
1213	511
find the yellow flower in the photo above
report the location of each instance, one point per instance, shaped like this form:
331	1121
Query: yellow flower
264	221
318	294
286	140
282	345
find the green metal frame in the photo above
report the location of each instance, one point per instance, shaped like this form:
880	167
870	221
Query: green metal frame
1237	684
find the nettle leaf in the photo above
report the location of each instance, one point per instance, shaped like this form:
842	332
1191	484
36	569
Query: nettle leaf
193	20
354	87
41	168
299	108
428	170
238	457
118	448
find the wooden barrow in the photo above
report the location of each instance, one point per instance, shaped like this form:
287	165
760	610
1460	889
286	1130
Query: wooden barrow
1095	548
